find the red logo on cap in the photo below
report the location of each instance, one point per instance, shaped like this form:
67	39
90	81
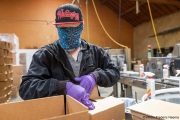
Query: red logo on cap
67	13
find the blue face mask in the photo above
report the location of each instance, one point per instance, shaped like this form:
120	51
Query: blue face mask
70	37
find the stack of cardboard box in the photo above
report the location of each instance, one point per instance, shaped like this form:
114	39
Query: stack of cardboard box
5	71
17	74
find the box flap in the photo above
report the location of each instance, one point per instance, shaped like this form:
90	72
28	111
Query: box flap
105	103
75	111
74	105
94	94
32	109
107	109
157	108
83	115
41	108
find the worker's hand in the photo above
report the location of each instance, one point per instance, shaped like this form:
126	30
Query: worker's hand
80	94
87	82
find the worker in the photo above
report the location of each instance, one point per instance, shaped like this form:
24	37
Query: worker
69	65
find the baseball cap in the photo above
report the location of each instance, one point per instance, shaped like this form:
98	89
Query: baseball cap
68	14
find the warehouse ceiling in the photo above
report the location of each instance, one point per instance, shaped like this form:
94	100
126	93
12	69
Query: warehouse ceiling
129	9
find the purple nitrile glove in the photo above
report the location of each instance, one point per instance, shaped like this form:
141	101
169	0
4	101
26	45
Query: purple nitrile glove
87	82
80	94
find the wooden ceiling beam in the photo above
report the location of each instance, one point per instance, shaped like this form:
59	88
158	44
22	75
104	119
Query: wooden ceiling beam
168	2
130	9
103	1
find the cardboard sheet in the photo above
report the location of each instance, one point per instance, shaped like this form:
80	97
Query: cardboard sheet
156	109
109	108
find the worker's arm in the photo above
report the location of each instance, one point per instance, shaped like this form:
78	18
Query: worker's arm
107	74
38	82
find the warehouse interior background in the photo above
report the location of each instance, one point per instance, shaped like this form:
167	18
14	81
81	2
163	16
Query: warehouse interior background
32	21
128	22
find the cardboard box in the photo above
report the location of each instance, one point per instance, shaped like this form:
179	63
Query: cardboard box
14	58
5	76
44	108
3	68
9	68
3	52
138	61
5	60
4	99
17	69
5	91
17	80
94	94
15	91
136	67
109	108
155	110
5	45
4	84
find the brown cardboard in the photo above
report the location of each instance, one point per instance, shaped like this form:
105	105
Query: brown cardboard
5	99
5	45
3	68
9	68
4	84
3	52
5	60
44	108
17	80
155	110
5	91
10	81
94	94
15	91
109	108
138	61
5	76
14	58
17	69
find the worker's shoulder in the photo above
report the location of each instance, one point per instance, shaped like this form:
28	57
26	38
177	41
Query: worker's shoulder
47	49
96	48
52	47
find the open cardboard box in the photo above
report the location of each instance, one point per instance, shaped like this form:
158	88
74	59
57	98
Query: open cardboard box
109	108
44	108
155	110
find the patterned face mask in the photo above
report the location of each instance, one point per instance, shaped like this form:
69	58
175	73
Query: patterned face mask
70	37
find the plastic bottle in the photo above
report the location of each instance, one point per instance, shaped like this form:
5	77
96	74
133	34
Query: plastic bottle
147	67
165	71
141	69
150	87
124	68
